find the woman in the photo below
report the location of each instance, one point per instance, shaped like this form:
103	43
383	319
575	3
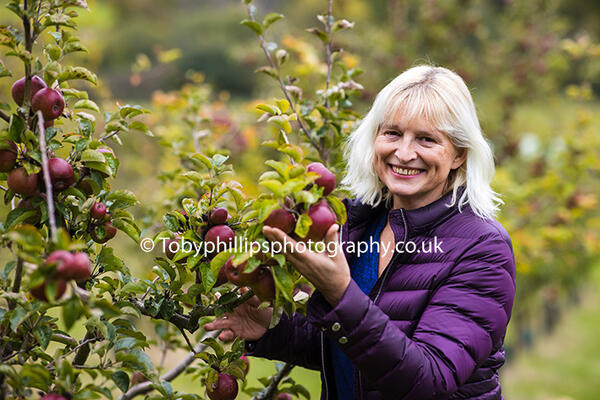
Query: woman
425	321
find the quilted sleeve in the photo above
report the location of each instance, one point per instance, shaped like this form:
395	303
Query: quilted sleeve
466	317
293	340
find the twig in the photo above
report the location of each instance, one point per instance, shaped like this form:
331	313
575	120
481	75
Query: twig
46	173
103	138
327	82
269	391
4	116
86	341
146	387
282	85
4	188
187	340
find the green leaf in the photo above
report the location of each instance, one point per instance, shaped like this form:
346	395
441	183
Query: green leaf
92	155
18	315
203	159
338	208
269	109
283	122
4	71
17	216
303	225
323	36
219	159
217	262
128	227
121	379
71	73
16	127
274	186
271	18
71	312
216	346
293	151
101	167
268	71
86	104
141	127
121	199
43	333
283	105
255	26
278	166
128	111
283	281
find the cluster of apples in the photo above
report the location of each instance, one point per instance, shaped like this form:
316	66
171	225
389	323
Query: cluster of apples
101	218
320	214
47	100
75	266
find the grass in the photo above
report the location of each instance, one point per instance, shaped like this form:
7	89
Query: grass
566	364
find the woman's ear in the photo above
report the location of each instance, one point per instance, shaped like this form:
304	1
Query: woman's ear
460	158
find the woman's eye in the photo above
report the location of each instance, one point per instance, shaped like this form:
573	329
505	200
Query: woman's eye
391	133
427	139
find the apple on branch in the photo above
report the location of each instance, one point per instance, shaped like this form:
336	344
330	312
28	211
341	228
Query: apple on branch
18	88
226	388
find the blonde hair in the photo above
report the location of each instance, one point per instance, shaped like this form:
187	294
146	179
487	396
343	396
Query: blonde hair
443	99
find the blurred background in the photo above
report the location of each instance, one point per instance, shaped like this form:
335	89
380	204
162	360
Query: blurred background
534	71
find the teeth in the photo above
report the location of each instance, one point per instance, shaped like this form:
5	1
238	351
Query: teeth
404	171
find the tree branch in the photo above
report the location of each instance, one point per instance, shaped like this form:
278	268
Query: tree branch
282	86
146	387
4	116
46	174
269	391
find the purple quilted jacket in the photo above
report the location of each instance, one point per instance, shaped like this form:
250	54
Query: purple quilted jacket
433	325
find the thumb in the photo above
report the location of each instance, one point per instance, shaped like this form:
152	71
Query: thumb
332	233
332	236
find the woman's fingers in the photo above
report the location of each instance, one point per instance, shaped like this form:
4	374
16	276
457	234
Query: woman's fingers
227	335
219	323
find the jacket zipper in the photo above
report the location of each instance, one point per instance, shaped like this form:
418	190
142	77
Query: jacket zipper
385	273
323	363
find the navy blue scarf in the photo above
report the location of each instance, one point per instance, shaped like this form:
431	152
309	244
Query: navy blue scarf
363	271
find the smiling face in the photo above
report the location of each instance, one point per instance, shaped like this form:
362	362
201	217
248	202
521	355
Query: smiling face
413	160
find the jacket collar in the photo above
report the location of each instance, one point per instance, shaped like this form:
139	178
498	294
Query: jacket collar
419	219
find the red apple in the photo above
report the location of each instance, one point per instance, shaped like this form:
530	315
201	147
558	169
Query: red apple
226	388
218	235
53	396
284	396
327	179
61	174
98	210
39	292
59	258
282	219
264	287
18	88
109	232
8	155
50	102
236	274
322	218
78	269
19	181
219	216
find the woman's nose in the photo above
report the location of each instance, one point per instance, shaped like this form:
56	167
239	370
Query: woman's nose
405	150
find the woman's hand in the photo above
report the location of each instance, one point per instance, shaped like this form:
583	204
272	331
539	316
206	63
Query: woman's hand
328	271
246	321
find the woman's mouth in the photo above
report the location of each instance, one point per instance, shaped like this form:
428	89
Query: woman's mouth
405	172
